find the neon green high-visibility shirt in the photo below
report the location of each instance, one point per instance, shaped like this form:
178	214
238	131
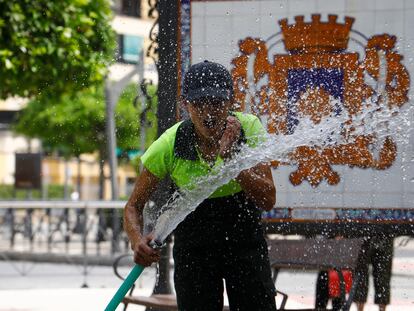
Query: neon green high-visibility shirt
175	153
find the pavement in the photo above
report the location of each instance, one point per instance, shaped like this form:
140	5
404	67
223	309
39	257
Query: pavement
27	286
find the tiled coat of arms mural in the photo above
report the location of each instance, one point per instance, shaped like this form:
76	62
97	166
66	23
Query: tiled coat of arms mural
319	77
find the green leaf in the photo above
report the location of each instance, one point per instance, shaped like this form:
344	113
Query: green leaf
8	63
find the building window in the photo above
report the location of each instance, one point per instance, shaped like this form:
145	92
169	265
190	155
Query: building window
129	47
131	8
7	117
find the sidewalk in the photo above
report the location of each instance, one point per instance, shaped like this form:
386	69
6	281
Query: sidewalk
51	287
91	299
45	287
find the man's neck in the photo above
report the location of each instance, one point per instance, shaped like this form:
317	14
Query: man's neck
208	147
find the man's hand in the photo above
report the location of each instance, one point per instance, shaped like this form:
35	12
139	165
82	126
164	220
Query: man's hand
144	254
230	137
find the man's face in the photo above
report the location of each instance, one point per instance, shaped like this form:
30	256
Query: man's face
209	116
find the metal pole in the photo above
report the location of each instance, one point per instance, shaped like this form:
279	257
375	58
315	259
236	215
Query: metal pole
79	181
166	113
49	231
84	248
112	92
113	161
111	137
10	221
167	64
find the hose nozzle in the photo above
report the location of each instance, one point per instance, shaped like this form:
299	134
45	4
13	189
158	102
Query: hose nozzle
156	244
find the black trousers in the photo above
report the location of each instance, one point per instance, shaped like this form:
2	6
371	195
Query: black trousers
379	253
199	275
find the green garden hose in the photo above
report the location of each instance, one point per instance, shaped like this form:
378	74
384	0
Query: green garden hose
124	288
129	281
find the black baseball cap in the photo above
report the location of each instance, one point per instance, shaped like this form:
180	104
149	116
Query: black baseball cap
207	80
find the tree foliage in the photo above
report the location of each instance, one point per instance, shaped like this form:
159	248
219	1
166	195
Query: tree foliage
76	124
53	46
129	96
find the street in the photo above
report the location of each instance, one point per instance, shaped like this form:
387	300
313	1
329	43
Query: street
47	287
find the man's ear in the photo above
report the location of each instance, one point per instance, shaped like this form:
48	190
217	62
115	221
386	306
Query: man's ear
184	104
182	108
234	106
230	106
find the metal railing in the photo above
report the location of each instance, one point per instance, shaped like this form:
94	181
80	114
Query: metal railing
70	229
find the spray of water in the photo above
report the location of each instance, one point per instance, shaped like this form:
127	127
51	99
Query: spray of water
376	119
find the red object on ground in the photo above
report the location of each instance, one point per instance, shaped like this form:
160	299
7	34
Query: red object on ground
333	282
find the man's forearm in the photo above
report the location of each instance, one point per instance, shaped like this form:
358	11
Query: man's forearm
133	219
133	223
258	188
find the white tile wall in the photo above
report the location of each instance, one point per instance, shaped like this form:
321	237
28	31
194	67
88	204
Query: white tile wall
358	5
283	172
198	37
408	4
387	181
318	199
341	170
408	178
407	150
408	200
391	22
245	26
198	9
245	8
300	198
389	5
269	25
387	200
327	188
409	26
277	177
364	22
330	199
219	8
361	199
274	7
282	198
198	53
330	5
357	180
301	6
218	30
221	54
